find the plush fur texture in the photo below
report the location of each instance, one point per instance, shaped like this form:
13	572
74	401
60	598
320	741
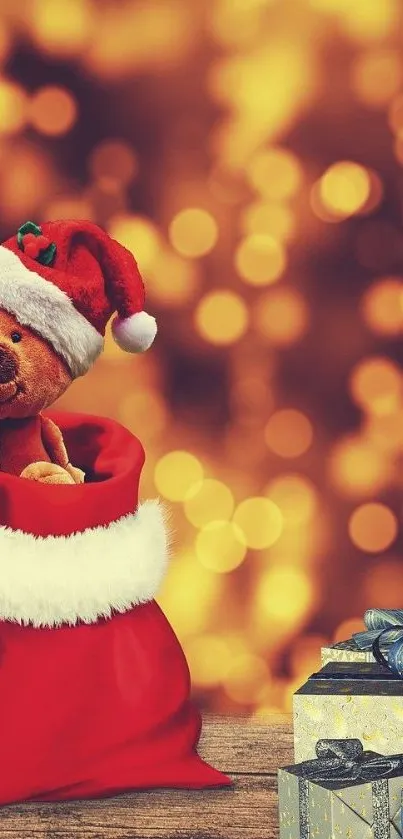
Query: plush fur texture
86	576
49	311
136	333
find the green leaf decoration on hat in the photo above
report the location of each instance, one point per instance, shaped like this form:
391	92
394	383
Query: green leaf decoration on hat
44	251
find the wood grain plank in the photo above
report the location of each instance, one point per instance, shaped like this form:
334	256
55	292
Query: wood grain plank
249	751
247	811
240	744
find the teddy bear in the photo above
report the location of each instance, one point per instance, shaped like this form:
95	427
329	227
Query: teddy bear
60	283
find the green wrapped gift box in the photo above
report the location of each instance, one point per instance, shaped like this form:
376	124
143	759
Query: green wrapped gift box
345	792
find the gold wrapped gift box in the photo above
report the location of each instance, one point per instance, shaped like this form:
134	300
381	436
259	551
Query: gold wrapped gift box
345	651
358	699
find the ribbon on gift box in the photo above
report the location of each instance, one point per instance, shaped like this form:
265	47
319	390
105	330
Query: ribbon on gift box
384	636
345	761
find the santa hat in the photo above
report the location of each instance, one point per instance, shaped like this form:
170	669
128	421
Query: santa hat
64	280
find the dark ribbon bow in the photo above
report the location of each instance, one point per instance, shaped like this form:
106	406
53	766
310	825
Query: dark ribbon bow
345	760
384	637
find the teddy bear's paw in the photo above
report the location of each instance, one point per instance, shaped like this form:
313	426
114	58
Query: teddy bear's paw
47	473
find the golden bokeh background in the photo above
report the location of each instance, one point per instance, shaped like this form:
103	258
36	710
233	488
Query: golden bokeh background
249	153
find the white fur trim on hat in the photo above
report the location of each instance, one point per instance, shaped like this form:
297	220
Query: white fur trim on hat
49	311
55	580
135	333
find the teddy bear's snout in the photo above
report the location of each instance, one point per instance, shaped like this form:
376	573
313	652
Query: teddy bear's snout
8	367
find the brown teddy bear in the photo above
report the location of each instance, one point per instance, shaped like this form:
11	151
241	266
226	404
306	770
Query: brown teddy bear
59	285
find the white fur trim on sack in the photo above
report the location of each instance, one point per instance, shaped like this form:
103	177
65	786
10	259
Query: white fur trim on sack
136	333
55	580
48	310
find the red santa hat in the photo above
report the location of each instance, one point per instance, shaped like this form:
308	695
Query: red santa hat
64	280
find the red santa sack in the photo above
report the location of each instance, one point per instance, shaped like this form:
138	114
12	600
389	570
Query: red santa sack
94	686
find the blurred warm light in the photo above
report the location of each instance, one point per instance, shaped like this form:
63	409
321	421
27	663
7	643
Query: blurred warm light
288	433
148	35
260	259
193	232
282	316
27	179
115	159
209	659
305	654
395	114
347	628
261	111
172	280
373	527
69	206
245	677
382	306
5	41
176	473
268	219
220	546
357	468
376	385
208	501
139	235
189	593
13	107
295	496
343	190
221	317
385	431
383	584
376	76
52	110
144	413
236	23
260	521
59	30
275	173
369	21
285	594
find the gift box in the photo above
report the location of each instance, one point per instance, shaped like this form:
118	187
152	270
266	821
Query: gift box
385	625
344	792
345	651
345	699
94	685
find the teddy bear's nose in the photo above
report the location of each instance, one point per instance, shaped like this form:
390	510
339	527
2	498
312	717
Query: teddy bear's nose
8	367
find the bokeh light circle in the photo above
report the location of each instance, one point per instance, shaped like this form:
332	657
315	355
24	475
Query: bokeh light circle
207	501
260	521
288	433
282	316
376	385
357	468
344	188
53	110
285	594
376	76
275	173
260	259
115	159
220	546
373	527
382	306
139	235
176	473
221	317
295	496
193	232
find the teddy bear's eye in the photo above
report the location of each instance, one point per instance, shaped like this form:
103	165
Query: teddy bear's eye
16	337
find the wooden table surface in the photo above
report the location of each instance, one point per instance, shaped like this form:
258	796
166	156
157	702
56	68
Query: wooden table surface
249	751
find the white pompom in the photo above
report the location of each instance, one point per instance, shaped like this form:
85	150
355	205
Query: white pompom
136	333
